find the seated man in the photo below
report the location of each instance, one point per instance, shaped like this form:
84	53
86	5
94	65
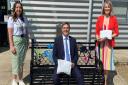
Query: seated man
65	48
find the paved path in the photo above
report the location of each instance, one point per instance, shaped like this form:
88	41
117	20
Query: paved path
5	68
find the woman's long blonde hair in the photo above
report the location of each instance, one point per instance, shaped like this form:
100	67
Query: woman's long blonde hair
110	4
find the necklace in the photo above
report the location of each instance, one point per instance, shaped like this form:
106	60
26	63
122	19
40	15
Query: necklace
107	16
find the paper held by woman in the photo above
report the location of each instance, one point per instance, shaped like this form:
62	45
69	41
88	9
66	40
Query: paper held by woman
106	34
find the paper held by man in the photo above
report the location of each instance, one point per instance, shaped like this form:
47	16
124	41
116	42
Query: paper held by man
64	67
106	34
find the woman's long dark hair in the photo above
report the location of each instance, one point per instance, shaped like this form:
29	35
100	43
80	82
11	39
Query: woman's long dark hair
14	15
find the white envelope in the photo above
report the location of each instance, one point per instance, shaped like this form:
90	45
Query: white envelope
106	34
64	67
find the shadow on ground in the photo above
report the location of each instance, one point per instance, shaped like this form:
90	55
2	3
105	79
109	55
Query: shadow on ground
111	75
27	79
3	49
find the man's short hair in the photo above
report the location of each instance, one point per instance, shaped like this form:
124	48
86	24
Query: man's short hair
63	23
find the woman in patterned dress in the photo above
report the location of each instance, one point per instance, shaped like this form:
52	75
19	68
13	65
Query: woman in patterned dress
18	42
107	21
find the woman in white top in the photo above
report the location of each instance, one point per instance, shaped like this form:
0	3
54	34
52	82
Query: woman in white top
18	41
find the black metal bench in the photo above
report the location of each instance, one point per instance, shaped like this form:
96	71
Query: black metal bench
41	74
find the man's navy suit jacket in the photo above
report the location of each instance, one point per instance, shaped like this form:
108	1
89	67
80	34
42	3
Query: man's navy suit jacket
58	49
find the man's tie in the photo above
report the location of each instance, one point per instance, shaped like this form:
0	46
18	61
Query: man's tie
67	50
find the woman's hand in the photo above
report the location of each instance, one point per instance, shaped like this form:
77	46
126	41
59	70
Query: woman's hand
102	39
13	49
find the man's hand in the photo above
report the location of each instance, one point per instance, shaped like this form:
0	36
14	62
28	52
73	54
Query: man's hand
72	65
